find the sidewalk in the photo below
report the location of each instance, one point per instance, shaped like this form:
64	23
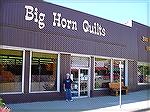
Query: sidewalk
133	102
142	106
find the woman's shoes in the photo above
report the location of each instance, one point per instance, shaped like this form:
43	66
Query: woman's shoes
69	100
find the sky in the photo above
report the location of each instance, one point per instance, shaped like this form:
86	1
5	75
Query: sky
119	11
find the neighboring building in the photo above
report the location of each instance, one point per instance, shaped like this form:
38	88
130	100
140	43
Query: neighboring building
40	42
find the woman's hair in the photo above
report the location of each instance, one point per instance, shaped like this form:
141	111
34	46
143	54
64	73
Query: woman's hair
67	74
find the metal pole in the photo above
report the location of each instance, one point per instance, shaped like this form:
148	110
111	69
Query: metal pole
120	83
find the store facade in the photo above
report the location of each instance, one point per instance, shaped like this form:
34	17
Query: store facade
41	42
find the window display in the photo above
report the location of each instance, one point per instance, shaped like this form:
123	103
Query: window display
116	71
44	72
11	62
143	72
102	73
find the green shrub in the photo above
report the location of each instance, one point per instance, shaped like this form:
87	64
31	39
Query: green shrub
2	103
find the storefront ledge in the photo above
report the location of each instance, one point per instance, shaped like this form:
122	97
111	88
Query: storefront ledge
96	93
35	97
43	92
7	93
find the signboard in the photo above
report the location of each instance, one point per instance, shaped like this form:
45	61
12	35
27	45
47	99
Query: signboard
79	61
34	14
99	64
147	40
120	65
147	48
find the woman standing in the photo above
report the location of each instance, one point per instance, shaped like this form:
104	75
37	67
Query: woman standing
67	87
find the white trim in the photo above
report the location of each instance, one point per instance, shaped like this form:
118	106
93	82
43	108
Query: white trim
11	47
94	76
118	59
23	67
79	82
89	78
126	73
43	51
111	71
30	72
102	57
80	55
58	73
105	57
28	49
120	84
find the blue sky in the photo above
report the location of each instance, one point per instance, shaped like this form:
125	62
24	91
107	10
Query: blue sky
119	11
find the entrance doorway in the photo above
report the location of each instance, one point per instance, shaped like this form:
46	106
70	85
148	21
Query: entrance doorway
80	77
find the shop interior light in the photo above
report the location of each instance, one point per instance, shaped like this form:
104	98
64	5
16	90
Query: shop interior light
15	57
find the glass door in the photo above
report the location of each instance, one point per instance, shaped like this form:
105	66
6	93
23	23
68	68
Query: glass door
75	79
80	82
83	82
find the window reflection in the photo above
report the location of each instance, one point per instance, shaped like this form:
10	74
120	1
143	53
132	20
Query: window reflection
44	72
10	70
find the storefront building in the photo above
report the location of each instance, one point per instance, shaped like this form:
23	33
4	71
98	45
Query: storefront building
41	42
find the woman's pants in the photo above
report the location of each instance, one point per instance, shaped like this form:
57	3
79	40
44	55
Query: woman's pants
68	94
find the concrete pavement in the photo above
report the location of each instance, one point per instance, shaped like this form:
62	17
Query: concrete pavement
133	102
142	106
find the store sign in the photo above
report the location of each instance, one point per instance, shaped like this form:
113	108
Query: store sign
94	28
147	40
99	64
147	48
34	14
79	61
60	21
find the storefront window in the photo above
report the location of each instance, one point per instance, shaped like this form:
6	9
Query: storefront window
102	73
143	72
116	71
11	62
43	72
